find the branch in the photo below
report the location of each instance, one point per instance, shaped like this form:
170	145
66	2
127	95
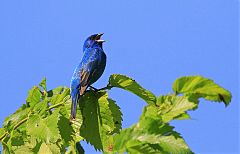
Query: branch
3	136
20	122
15	127
108	87
54	106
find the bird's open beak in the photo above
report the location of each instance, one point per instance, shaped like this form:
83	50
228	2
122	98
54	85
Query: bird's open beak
98	38
100	41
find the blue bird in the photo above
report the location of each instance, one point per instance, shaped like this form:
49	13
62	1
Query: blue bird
88	71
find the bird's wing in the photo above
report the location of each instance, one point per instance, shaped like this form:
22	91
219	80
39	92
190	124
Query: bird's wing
84	79
89	67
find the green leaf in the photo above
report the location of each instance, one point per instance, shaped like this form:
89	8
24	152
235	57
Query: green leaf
138	147
201	87
150	134
66	131
20	142
116	114
183	116
99	121
34	96
57	98
2	132
75	148
17	138
55	91
23	150
41	108
126	83
173	145
139	140
109	114
79	148
16	117
170	107
154	131
43	84
44	129
49	149
90	127
136	140
167	144
74	131
33	144
152	125
121	139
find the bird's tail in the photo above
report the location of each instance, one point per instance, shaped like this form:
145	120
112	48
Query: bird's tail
75	99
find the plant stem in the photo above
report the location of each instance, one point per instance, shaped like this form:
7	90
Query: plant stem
108	87
56	105
20	122
3	136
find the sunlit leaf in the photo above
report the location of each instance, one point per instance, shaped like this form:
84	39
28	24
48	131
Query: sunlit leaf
90	127
201	87
99	121
2	132
17	138
43	84
173	145
55	91
121	140
116	114
75	148
57	98
172	106
34	96
126	83
49	149
183	116
148	135
41	107
23	150
135	146
16	117
44	129
42	124
66	130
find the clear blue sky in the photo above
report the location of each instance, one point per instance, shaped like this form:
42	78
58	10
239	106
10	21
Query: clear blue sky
152	41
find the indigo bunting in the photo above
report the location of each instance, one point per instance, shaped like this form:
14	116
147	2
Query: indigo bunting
88	71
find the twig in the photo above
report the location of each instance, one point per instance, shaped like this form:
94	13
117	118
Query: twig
3	136
56	105
20	122
108	87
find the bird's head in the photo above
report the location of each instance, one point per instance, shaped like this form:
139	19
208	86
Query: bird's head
93	40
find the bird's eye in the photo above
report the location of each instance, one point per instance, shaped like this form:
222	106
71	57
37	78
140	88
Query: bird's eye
91	38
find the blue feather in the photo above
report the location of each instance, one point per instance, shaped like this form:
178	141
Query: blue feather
88	71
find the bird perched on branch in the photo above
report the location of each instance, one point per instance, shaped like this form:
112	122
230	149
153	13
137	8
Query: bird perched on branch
89	70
